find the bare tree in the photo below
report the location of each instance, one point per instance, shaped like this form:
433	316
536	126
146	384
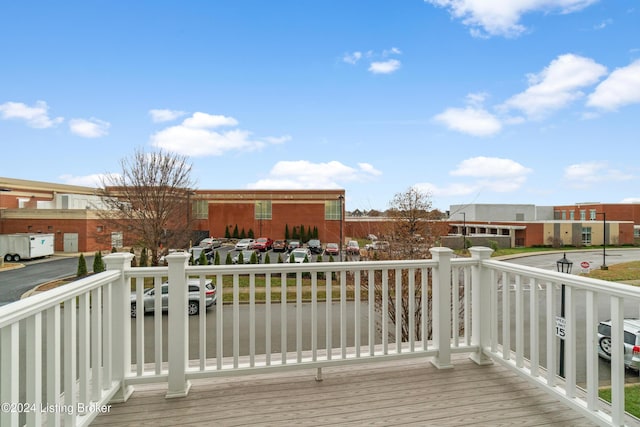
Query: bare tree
413	229
150	200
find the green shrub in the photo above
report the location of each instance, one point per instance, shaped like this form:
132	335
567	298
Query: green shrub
98	264
82	267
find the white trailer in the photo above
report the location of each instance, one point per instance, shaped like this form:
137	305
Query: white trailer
14	247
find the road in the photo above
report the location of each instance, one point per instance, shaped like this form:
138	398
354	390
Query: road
14	283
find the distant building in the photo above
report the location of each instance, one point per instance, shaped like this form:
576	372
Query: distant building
71	213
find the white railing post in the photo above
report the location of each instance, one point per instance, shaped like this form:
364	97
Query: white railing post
121	324
442	306
480	305
178	333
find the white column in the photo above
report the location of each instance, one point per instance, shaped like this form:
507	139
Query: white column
178	338
121	323
442	307
480	305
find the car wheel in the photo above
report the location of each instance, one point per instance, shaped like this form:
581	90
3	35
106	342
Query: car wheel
605	345
134	311
16	258
193	308
7	258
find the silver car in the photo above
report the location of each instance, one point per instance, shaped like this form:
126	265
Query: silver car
193	303
299	255
244	244
631	342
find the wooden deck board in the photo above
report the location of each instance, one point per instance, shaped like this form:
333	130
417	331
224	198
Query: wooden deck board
408	392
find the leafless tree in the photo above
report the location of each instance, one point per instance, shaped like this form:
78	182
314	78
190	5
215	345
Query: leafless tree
150	200
414	228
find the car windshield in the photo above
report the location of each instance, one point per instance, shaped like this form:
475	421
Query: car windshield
262	239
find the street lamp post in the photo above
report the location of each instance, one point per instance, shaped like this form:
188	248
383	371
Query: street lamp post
604	240
564	266
341	199
464	231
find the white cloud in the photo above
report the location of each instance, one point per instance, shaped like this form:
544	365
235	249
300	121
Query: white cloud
556	86
385	67
89	128
392	51
195	137
159	116
94	180
502	18
470	120
490	167
631	200
204	120
583	175
451	190
302	174
621	88
36	116
352	58
493	173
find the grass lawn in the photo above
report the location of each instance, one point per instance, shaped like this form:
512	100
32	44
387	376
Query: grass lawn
631	398
618	272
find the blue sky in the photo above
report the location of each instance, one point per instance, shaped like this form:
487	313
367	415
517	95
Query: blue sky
525	101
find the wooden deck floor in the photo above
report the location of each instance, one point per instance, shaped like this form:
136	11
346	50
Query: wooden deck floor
409	392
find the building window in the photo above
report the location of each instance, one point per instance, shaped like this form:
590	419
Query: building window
592	214
99	229
586	235
263	209
583	215
50	227
572	215
332	210
200	209
636	232
564	215
117	239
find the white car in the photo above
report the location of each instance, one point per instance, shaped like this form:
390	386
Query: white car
244	244
299	255
193	303
631	342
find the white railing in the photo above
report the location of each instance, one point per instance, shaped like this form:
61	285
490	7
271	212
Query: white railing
296	316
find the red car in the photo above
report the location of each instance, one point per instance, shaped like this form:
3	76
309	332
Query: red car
262	244
279	246
332	249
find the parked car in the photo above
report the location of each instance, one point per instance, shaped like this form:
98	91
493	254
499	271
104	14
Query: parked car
279	245
193	304
380	245
299	255
197	250
315	246
210	243
246	256
353	248
332	249
262	244
631	342
244	244
293	244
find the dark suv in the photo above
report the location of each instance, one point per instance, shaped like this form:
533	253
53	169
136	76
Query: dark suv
315	246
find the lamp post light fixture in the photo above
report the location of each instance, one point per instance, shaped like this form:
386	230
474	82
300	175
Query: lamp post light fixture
464	231
341	199
564	266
